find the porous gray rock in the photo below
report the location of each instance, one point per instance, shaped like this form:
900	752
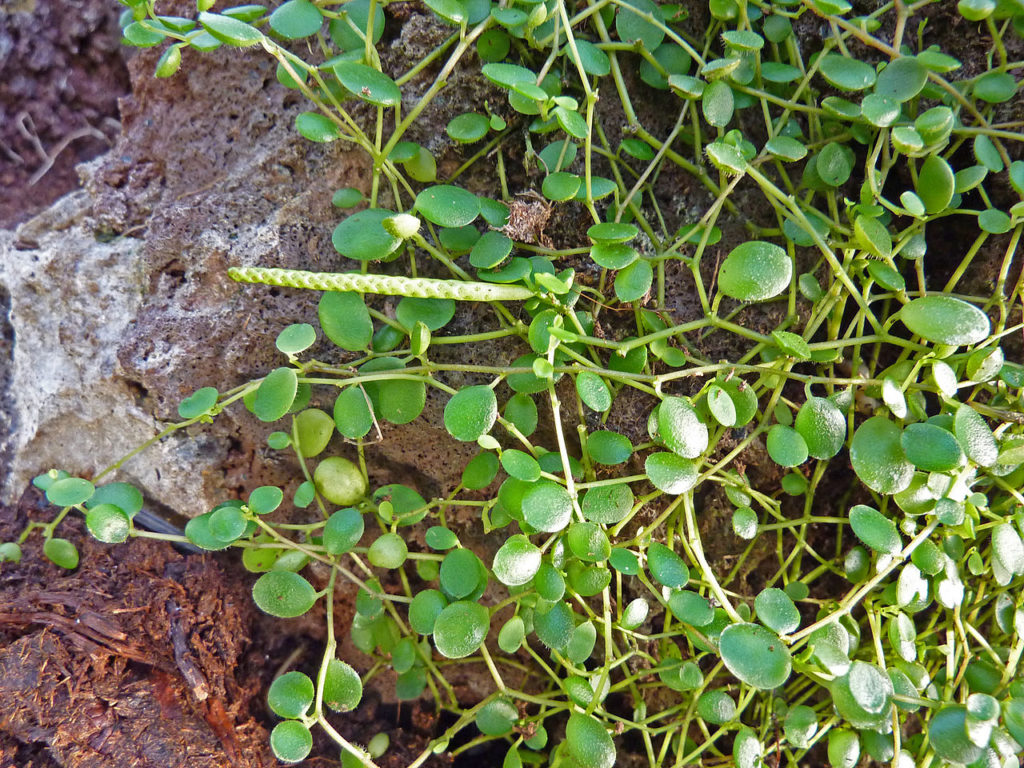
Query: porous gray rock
119	305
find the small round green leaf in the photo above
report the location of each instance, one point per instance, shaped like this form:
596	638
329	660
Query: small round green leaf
822	426
995	87
368	83
507	75
291	694
497	717
345	320
460	628
717	103
666	566
426	606
339	481
347	197
229	30
198	532
512	634
547	506
800	725
455	11
448	206
125	497
681	428
283	594
593	391
141	35
343	689
198	403
343	531
716	707
613	255
775	609
388	550
945	320
291	741
976	10
786	446
588	741
974	436
461	573
670	473
612	232
468	127
786	148
276	394
875	530
588	542
227	522
635	613
296	338
754	271
296	19
399	401
471	413
755	655
691	608
517	561
877	456
935	184
490	250
846	73
440	538
69	491
902	79
609	448
352	414
480	471
107	523
549	583
433	313
744	522
833	164
520	465
624	561
560	186
1013	718
634	281
362	236
947	734
316	127
61	552
843	748
931	448
994	221
721	406
314	429
608	504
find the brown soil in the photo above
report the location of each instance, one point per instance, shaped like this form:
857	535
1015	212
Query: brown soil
61	74
139	657
143	657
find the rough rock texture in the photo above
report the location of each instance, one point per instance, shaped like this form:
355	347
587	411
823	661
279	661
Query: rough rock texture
119	302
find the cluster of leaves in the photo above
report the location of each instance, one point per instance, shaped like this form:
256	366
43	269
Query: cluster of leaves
601	602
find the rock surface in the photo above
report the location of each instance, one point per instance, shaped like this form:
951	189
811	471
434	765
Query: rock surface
119	304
